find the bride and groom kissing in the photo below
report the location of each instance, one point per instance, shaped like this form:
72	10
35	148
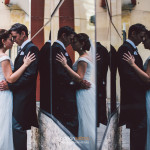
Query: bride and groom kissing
17	88
73	92
134	83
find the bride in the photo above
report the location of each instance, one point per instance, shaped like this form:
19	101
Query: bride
145	76
6	97
86	105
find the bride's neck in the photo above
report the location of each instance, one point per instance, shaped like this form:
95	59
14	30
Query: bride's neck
83	54
2	50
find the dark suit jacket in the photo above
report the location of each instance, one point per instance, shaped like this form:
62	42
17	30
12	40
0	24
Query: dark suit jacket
133	101
24	90
113	69
63	93
44	68
102	68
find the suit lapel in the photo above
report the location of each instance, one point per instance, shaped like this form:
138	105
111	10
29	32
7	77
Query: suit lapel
24	48
17	56
138	59
69	61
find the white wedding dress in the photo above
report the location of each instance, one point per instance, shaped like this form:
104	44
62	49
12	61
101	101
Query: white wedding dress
6	107
86	105
147	109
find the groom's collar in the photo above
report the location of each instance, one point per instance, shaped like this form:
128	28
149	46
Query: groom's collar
59	42
133	45
49	41
24	43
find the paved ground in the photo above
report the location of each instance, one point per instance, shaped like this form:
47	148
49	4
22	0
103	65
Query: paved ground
100	133
125	137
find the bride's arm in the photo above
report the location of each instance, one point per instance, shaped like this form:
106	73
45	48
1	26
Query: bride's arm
144	76
12	77
77	76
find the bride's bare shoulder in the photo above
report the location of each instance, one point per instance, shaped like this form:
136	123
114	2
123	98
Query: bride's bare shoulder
1	55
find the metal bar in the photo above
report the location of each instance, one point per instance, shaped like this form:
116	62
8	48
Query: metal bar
57	7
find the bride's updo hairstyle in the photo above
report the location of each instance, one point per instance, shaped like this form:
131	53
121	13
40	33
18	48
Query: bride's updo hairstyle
83	38
4	34
148	33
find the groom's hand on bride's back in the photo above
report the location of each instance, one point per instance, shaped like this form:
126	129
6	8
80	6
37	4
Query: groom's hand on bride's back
3	85
85	84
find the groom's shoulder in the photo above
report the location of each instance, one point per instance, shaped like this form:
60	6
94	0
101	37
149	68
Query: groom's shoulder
124	47
32	46
56	47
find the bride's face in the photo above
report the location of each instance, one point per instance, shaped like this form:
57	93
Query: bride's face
9	42
76	45
146	43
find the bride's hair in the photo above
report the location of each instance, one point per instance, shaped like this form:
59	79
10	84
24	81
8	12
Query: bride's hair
84	38
4	34
148	33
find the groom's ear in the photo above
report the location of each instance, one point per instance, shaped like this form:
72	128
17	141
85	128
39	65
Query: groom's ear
133	34
64	35
83	43
23	33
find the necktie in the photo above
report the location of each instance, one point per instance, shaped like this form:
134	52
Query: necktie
135	51
19	50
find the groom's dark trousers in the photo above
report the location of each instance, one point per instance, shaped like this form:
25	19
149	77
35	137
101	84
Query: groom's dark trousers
133	98
138	136
19	136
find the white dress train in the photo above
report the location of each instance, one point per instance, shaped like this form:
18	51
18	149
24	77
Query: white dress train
86	105
147	110
6	106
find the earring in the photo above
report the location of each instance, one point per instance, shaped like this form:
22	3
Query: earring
4	46
81	49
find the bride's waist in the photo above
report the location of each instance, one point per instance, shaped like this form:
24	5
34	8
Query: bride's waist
88	79
92	87
5	92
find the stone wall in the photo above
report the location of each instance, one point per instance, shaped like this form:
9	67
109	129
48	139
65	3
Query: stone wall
111	139
50	136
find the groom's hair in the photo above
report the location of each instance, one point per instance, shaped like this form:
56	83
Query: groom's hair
67	30
137	28
148	33
18	27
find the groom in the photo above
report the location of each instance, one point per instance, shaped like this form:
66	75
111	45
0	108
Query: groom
63	91
133	100
24	89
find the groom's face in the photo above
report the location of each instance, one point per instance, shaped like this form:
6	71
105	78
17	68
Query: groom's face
18	38
68	39
139	37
